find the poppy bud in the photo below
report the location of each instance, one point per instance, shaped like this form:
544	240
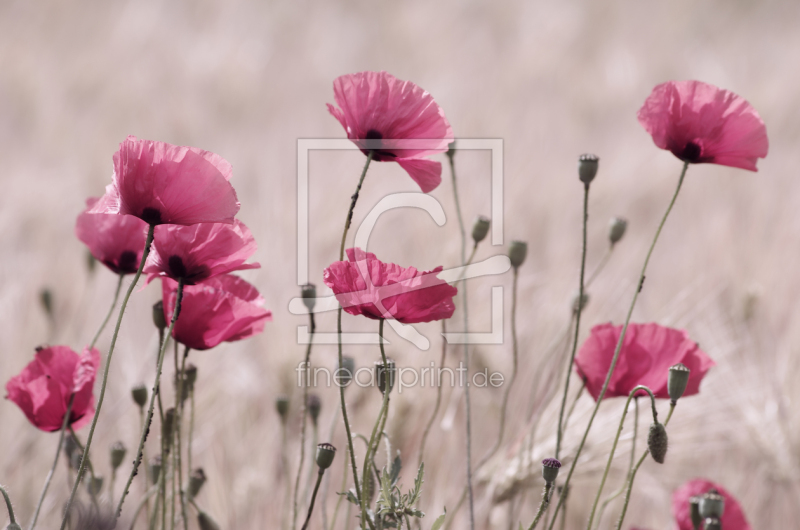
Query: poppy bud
309	294
381	375
205	522
90	261
584	301
550	467
196	481
587	168
694	511
616	229
158	316
169	423
139	395
677	381
313	404
344	372
657	442
282	406
517	251
94	485
480	228
46	299
712	523
712	505
325	454
155	468
117	453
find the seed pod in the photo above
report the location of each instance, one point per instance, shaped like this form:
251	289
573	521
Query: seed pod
139	395
309	294
381	375
196	481
155	468
587	168
117	453
282	406
168	427
480	228
94	485
657	442
314	405
344	372
694	511
712	523
550	467
325	455
158	316
205	522
677	381
517	252
616	229
712	505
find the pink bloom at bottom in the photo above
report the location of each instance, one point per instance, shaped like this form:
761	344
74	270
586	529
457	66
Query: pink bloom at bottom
43	389
732	518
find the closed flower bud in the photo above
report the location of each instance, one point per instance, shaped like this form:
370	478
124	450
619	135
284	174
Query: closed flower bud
587	168
158	316
657	442
117	453
168	426
712	504
480	228
155	468
550	467
282	406
94	485
344	372
196	481
325	454
677	381
139	395
694	511
382	377
584	301
309	294
205	522
517	251
712	523
314	405
616	229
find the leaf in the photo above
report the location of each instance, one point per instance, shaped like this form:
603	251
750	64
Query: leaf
439	521
397	465
417	492
351	496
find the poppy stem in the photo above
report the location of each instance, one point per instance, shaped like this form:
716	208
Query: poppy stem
548	487
149	419
55	460
347	222
89	464
110	311
8	505
178	427
614	447
145	500
303	413
313	498
438	398
621	337
574	402
85	456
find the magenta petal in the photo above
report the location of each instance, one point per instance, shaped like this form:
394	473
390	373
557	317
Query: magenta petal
426	173
116	241
733	517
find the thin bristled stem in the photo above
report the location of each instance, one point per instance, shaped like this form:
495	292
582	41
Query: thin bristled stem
548	487
178	428
621	489
347	222
438	399
303	412
8	505
89	465
341	497
313	498
102	394
578	311
622	335
110	312
149	419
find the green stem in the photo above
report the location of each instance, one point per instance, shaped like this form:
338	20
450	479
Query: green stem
578	311
149	493
542	505
303	412
178	428
8	505
438	399
100	398
110	311
622	335
313	498
574	402
342	488
149	419
621	489
88	463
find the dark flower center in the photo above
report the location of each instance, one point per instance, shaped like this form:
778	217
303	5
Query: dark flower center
176	267
127	261
151	216
691	152
378	154
372	134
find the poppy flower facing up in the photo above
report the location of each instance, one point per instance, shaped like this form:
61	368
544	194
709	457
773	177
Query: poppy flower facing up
732	517
198	252
162	183
366	286
646	356
701	123
222	308
43	389
401	117
116	241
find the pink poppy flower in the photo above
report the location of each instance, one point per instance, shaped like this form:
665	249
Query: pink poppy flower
198	252
366	286
162	183
701	123
646	356
223	308
732	518
43	389
116	241
401	117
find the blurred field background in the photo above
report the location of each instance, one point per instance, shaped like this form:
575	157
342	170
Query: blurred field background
553	79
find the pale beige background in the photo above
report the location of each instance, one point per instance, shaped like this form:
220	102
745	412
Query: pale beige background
553	79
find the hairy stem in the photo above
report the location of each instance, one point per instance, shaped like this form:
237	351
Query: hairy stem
303	412
8	505
621	489
438	399
110	312
548	487
313	498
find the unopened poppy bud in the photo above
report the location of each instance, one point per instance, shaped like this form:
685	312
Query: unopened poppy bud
94	485
46	299
694	511
712	523
587	168
158	316
139	395
282	406
382	377
309	294
480	228
344	371
550	467
155	468
583	301
517	251
90	262
117	453
712	504
325	454
657	442
205	522
196	481
616	229
169	423
677	381
314	405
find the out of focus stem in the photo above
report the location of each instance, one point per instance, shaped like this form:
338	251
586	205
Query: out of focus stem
110	311
542	505
8	505
303	412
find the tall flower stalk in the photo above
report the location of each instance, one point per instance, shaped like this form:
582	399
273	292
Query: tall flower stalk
303	413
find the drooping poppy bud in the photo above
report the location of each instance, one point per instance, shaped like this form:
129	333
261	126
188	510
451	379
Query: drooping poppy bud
657	442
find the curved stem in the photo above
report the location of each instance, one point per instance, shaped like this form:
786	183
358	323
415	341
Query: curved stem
578	311
622	335
149	493
303	412
178	428
347	222
8	505
621	489
100	398
542	505
313	498
438	399
149	419
110	312
342	488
